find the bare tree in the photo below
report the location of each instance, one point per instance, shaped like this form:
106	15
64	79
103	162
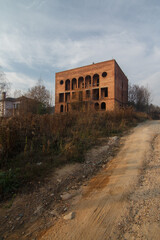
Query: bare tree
154	111
40	94
139	97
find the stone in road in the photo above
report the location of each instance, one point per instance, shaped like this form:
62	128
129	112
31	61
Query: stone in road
121	201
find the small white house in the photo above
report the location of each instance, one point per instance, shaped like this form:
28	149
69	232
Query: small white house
16	106
11	106
8	106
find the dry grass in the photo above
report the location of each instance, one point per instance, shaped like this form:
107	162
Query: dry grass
31	146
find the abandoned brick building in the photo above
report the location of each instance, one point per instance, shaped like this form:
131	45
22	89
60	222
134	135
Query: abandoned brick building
102	86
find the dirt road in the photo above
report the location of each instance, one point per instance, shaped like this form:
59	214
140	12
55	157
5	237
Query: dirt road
122	200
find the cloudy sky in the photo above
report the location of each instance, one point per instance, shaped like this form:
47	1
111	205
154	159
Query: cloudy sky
41	37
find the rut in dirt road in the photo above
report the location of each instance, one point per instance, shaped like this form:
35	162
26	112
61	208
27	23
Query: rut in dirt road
122	201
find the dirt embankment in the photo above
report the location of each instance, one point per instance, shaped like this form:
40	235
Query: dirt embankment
28	215
122	200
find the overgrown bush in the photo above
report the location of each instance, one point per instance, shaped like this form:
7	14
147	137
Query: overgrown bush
32	145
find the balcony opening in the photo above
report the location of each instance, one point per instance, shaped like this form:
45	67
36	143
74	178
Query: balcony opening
87	81
103	106
74	83
96	106
61	97
95	94
95	80
67	84
80	82
104	92
88	94
67	97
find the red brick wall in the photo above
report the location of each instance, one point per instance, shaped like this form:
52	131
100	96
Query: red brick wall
104	82
121	87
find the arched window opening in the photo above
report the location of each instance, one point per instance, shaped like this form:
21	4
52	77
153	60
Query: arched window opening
88	81
80	82
61	108
74	83
67	84
103	106
96	106
95	80
61	82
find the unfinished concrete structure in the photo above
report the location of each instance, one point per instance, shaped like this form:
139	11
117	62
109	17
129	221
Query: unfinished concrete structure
101	86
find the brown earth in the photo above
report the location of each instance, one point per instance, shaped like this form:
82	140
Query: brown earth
28	215
122	200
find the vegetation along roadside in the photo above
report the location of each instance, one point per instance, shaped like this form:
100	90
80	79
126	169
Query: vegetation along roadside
31	146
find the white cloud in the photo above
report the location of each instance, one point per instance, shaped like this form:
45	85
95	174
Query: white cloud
19	81
43	36
22	82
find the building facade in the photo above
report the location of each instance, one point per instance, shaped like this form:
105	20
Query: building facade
102	86
8	106
15	106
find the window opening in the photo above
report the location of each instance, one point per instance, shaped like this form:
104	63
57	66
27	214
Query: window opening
95	94
61	97
67	84
80	82
96	106
104	92
74	83
104	74
88	94
61	108
67	97
87	81
95	80
103	106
